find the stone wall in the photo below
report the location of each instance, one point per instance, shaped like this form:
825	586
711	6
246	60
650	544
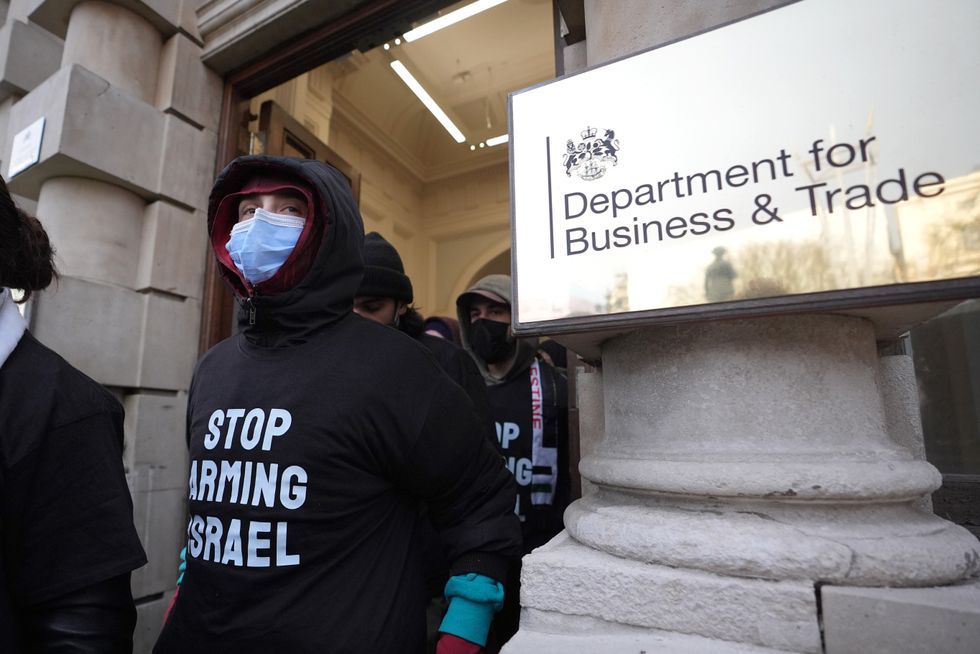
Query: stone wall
126	162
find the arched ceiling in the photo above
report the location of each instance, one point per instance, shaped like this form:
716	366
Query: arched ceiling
469	68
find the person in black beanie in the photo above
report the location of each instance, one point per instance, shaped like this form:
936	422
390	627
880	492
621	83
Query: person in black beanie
385	296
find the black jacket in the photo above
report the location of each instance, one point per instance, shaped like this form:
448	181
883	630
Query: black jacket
341	429
458	364
67	540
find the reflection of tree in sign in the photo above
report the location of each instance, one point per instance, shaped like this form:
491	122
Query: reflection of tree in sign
954	245
782	267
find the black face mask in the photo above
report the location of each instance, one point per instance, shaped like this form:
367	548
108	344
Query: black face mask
490	341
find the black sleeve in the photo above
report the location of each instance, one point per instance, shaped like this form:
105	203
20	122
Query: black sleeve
67	512
469	491
96	619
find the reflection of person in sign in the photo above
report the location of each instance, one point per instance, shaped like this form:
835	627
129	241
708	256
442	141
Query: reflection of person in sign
718	278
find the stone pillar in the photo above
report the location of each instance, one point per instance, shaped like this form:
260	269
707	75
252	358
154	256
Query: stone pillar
123	48
126	162
744	464
747	470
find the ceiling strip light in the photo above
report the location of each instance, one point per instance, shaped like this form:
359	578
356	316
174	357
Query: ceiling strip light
451	18
497	140
427	100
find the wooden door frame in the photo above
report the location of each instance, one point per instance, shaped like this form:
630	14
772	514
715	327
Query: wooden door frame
366	26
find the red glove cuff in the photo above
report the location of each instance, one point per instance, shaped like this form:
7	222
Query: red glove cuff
450	644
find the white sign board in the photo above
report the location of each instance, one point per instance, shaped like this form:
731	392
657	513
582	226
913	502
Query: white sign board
26	149
827	151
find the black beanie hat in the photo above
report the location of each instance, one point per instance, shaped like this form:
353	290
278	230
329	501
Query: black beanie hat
384	274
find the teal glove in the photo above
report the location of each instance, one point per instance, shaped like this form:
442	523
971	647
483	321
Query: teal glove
182	568
473	600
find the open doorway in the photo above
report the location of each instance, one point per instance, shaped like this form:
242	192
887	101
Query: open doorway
437	189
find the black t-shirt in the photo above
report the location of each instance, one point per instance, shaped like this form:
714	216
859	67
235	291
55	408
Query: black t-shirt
309	465
66	514
512	406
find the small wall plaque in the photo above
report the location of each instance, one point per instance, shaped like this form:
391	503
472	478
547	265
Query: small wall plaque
26	149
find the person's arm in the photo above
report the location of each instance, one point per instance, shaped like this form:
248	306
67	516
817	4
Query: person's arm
75	543
471	496
95	619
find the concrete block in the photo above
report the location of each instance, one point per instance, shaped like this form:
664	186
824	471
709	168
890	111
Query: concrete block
156	446
158	155
188	20
186	87
28	56
169	342
116	44
900	397
901	620
159	516
591	416
173	250
5	107
575	57
75	145
187	163
149	621
54	15
565	577
95	327
95	227
547	633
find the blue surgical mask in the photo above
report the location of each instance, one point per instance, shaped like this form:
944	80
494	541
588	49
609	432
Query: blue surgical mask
258	247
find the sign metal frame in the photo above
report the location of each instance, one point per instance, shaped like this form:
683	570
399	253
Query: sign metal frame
850	300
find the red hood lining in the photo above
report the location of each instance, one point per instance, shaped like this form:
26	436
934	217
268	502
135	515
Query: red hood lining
300	259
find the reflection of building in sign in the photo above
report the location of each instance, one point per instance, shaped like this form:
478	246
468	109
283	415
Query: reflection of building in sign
719	278
618	296
944	246
849	241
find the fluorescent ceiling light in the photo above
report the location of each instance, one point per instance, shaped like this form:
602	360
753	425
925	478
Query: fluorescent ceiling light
427	100
497	140
451	18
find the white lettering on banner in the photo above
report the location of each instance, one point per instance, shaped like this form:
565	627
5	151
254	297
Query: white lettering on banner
255	427
231	472
233	544
544	478
233	416
242	482
521	469
256	560
209	541
292	495
254	420
507	433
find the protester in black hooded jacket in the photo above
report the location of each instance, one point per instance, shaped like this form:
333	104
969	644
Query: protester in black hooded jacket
386	296
528	402
314	434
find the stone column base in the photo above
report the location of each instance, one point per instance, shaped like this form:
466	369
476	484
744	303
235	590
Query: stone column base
550	633
573	585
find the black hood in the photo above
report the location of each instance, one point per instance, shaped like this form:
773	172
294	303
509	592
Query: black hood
325	294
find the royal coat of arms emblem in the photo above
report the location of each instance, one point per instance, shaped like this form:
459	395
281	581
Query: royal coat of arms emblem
588	159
